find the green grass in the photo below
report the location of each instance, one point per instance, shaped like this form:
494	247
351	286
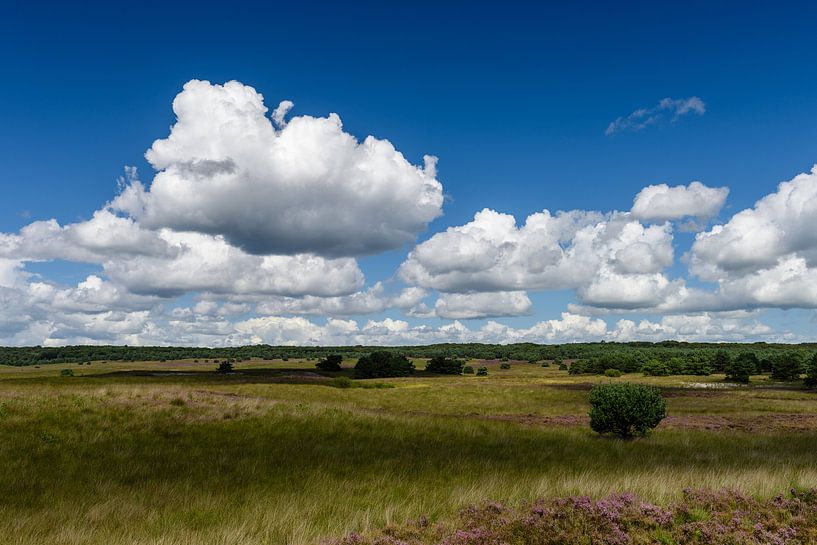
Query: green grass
207	459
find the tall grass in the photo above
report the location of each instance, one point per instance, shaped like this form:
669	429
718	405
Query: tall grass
120	461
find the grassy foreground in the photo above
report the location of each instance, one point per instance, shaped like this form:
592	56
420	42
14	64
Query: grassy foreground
278	456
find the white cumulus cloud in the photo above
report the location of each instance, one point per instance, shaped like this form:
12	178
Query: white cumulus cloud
663	203
307	187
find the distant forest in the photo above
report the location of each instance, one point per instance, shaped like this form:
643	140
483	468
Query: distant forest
606	352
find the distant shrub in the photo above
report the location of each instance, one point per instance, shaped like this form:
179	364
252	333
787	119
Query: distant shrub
613	373
441	365
67	373
545	364
655	368
225	367
341	382
739	370
346	382
787	367
330	363
383	364
562	367
504	365
467	370
626	409
482	371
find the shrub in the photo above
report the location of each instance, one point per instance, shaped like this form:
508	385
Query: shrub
383	364
330	363
613	373
482	371
626	409
67	373
787	367
467	370
441	365
504	365
811	373
562	367
655	368
545	364
341	382
225	367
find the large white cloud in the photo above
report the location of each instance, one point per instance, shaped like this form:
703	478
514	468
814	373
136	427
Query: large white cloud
563	251
308	187
208	263
780	224
662	202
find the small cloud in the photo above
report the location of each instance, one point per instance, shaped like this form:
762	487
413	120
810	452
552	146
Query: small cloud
671	109
25	214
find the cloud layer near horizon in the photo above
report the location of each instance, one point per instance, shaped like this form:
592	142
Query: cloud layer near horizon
259	220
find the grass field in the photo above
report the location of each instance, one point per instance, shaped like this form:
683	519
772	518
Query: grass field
172	453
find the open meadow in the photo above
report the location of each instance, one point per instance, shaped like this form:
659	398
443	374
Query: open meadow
275	452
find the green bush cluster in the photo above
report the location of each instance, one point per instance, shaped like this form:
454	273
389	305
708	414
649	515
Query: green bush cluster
440	365
383	364
504	365
467	370
482	371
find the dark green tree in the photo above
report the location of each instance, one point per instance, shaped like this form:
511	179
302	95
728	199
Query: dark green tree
440	365
739	370
721	361
330	363
787	367
383	364
811	373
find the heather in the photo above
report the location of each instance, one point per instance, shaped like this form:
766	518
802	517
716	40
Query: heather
723	517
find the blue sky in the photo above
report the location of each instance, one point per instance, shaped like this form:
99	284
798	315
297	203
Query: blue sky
513	99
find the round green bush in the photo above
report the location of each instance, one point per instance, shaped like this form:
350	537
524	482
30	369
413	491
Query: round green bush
504	365
467	370
626	409
482	371
612	373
